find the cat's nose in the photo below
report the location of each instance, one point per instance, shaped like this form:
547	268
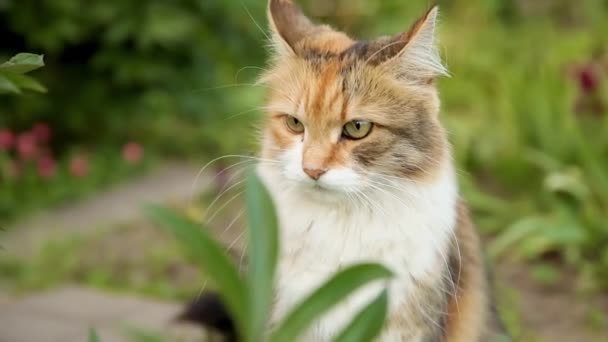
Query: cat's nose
314	173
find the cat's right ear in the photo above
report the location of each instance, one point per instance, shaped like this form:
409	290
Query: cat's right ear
288	25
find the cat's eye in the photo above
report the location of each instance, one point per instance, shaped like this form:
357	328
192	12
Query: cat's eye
357	129
294	124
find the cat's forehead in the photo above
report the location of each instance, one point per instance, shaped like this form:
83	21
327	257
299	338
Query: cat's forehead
333	88
363	52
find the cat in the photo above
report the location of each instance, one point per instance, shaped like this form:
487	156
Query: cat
362	171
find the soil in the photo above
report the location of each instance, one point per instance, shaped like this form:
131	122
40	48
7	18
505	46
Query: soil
556	312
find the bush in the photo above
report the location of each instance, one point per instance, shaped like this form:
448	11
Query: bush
133	69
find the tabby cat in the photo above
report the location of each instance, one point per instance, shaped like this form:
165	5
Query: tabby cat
362	172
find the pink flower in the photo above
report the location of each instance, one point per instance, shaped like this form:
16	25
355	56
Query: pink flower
132	152
42	132
46	166
79	166
26	146
588	79
7	139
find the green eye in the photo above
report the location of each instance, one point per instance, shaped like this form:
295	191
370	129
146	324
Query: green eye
294	124
357	129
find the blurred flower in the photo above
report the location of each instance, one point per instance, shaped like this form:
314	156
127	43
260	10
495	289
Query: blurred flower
7	139
79	166
588	78
132	152
42	132
46	166
26	146
591	99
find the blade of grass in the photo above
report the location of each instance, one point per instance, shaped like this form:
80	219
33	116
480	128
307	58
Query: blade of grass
211	257
141	335
263	246
93	337
332	292
368	323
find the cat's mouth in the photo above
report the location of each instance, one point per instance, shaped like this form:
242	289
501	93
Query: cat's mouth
320	187
324	190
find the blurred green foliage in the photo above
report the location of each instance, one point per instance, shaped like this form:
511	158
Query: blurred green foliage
135	69
12	74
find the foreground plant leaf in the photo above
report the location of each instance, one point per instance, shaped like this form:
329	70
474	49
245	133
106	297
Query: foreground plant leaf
331	293
8	86
263	247
22	63
25	82
211	257
368	323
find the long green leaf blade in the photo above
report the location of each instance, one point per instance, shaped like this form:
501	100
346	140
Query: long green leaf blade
263	247
7	86
211	257
332	292
26	82
368	323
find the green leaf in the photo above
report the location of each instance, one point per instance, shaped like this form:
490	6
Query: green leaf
545	274
22	63
93	337
332	292
263	247
7	86
368	323
211	257
515	233
26	82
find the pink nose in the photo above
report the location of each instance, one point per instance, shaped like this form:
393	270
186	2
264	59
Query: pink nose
314	173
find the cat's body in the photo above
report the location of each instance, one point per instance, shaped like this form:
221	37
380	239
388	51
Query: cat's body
409	231
360	170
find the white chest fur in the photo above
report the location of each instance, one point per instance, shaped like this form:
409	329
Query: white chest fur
406	228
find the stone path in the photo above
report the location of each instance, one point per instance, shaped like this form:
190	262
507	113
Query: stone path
119	204
67	314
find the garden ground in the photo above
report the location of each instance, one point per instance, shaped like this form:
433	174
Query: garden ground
81	245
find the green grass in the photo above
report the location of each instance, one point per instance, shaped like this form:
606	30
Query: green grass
107	260
534	171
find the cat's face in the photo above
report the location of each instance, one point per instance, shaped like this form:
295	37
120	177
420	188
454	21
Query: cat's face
345	116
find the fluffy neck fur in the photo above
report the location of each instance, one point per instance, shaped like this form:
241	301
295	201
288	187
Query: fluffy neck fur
405	226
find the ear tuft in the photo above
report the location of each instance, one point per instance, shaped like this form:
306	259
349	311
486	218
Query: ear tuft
414	54
288	25
420	55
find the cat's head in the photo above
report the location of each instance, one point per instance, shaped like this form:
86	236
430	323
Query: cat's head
342	114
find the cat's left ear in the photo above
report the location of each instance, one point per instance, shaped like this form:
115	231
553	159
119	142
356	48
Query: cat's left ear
288	25
415	51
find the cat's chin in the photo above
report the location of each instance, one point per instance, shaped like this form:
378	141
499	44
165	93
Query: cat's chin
322	193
